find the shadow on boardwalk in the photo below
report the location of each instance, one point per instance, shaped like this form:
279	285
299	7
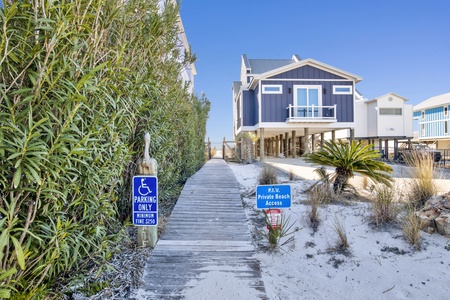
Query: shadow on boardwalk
206	250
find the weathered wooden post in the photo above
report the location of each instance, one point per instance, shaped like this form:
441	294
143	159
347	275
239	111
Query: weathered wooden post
147	235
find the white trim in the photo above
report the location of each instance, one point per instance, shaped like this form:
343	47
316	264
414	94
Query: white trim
284	125
313	63
302	79
259	103
335	92
265	86
432	121
294	126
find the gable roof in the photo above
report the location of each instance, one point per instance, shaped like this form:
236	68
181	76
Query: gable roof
388	94
433	102
265	68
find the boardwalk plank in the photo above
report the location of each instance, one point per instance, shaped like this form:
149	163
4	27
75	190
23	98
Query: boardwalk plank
207	234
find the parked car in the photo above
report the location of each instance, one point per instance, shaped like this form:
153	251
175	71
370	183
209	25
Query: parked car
422	148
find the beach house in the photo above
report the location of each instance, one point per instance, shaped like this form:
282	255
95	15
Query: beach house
288	103
433	121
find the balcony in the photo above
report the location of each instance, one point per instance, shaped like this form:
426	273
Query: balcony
313	113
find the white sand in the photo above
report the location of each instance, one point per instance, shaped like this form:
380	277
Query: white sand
305	269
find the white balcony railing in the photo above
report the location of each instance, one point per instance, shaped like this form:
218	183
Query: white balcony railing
311	113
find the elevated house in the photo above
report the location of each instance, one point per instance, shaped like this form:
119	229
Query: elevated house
433	120
384	122
288	103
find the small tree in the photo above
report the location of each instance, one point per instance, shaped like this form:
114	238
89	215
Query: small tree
351	158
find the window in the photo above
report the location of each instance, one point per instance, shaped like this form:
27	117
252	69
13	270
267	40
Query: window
445	127
423	130
342	89
446	111
272	89
390	111
423	115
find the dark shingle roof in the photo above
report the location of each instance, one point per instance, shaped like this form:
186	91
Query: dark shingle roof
259	66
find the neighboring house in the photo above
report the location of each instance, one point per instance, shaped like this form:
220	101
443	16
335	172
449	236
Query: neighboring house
433	118
189	71
286	102
384	119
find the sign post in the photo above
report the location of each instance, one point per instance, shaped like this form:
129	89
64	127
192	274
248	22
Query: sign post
272	198
145	199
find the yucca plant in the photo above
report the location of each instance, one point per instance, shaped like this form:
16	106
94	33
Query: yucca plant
348	159
276	233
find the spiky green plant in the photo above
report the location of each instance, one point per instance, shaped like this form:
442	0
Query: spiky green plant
278	232
349	159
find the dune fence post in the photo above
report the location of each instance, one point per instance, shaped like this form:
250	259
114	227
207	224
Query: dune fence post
145	199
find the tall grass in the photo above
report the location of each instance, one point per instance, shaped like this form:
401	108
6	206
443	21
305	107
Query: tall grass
341	242
385	204
315	198
423	173
268	175
411	227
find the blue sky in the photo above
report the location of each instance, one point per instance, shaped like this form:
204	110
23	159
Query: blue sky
400	46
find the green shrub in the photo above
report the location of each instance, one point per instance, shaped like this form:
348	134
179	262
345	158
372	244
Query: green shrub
81	82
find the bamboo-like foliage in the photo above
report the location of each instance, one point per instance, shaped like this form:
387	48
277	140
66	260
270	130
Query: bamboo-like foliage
80	83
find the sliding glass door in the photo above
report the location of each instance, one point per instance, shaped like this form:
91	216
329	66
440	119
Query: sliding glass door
307	98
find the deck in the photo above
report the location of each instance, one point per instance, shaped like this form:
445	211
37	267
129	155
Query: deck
206	250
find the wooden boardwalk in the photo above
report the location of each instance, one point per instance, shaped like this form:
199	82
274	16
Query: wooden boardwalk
206	250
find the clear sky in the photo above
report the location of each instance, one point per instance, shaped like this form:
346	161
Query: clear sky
400	46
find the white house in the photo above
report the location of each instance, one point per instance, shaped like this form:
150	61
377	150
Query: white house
385	119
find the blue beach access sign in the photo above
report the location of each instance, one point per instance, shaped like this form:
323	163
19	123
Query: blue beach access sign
273	196
145	200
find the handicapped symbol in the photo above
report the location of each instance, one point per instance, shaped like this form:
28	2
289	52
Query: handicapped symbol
143	189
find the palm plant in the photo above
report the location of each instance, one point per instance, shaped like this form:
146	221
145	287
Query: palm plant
349	159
